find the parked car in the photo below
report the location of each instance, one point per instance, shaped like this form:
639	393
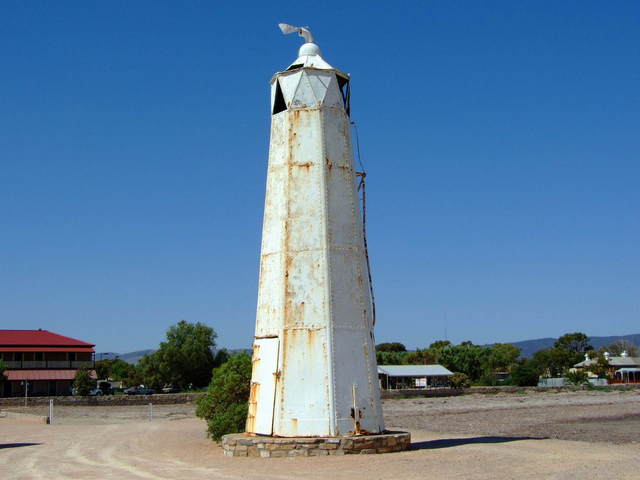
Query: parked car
94	392
171	390
139	391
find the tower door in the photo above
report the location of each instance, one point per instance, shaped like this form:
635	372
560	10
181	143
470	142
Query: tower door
264	377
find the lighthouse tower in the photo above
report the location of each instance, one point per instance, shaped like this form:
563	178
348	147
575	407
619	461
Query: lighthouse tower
314	365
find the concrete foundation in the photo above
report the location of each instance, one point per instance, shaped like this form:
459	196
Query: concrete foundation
243	445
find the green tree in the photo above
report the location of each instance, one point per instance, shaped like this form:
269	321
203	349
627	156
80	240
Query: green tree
126	373
576	342
103	368
568	350
153	374
419	357
82	382
600	367
184	359
391	347
623	345
221	357
390	358
119	369
439	344
436	348
501	358
525	374
224	407
465	358
553	362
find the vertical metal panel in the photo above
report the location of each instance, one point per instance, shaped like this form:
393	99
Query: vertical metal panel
319	82
271	293
305	97
333	96
263	386
274	85
303	401
288	83
271	296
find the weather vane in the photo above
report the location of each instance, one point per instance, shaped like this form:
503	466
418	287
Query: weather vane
302	31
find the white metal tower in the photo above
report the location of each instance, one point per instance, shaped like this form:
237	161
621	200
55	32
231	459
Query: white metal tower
314	364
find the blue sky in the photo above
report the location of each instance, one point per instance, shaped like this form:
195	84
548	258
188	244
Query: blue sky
501	141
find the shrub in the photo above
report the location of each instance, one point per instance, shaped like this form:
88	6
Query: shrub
597	388
460	380
489	381
225	407
3	367
577	377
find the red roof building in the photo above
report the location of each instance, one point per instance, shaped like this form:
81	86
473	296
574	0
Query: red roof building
42	361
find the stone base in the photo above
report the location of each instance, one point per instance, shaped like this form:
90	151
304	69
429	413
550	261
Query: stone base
243	445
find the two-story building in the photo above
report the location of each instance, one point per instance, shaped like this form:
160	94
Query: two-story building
43	362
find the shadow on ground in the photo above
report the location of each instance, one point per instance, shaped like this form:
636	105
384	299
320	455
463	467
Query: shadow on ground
456	442
15	445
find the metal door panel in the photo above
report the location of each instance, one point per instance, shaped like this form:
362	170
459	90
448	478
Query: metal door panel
263	386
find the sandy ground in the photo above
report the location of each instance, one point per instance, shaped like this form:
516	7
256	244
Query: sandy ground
471	437
591	416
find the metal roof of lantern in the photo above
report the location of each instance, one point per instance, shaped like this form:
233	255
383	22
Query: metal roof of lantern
309	54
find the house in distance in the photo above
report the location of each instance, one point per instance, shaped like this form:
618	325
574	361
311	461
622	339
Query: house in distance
43	362
621	369
398	377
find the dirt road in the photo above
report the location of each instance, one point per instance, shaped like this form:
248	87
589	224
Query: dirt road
590	416
123	444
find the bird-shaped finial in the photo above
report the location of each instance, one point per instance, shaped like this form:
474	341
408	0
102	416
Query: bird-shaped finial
302	31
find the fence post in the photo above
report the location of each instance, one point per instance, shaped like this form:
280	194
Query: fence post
50	411
150	411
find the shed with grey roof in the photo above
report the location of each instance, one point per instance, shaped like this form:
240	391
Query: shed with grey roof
394	377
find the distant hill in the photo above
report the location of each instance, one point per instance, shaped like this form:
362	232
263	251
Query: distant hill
235	351
106	355
134	357
529	347
131	357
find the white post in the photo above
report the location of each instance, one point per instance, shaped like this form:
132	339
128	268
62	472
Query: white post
150	411
26	391
50	411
